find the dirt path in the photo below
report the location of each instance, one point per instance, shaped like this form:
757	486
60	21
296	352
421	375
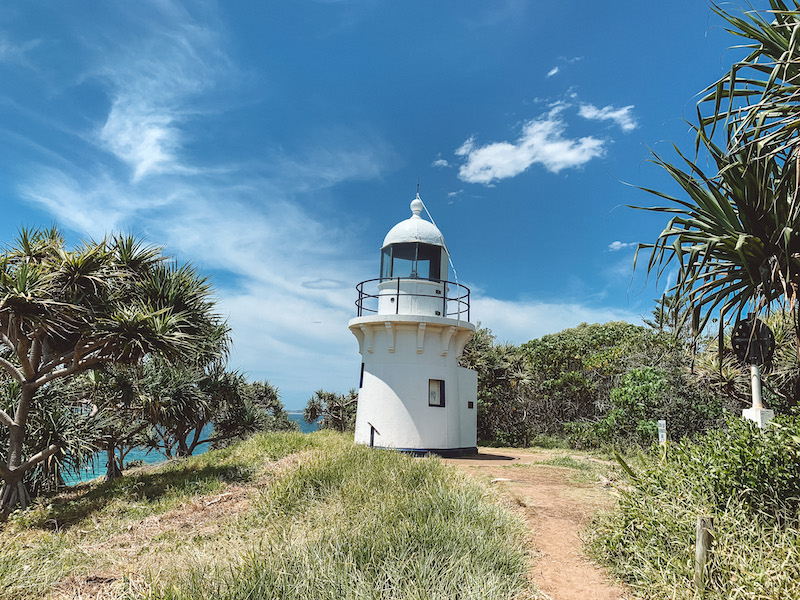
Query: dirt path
557	508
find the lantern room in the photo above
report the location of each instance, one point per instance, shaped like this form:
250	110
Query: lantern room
414	249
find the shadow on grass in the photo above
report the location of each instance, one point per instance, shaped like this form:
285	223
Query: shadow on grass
147	492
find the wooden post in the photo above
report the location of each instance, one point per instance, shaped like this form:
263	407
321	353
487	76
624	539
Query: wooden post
705	528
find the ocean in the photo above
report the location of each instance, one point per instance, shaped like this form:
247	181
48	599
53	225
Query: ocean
151	457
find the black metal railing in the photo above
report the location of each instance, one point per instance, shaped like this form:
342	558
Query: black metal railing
455	297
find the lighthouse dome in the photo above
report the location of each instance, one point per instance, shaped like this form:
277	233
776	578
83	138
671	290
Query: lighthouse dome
414	229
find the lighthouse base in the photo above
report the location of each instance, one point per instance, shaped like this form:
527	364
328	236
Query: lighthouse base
443	452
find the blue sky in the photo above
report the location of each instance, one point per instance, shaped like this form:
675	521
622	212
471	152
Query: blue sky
273	144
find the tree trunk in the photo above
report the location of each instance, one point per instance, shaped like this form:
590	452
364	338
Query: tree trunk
182	450
13	493
113	470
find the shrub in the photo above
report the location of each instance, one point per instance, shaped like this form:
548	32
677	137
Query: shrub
747	478
644	396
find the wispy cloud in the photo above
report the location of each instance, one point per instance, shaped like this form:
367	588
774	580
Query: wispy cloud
543	141
440	162
617	245
519	321
92	204
156	81
284	277
11	52
623	117
552	72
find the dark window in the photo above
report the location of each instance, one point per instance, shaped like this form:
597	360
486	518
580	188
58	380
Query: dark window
361	379
435	392
411	260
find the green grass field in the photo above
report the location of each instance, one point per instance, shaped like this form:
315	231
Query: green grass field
277	516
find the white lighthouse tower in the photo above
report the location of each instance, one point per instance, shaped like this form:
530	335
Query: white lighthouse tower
411	327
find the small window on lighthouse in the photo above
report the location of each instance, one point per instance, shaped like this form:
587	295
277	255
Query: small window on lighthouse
435	392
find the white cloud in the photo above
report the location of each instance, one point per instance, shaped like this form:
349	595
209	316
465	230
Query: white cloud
15	53
154	81
519	321
284	277
90	204
542	142
617	245
440	162
623	117
553	71
325	284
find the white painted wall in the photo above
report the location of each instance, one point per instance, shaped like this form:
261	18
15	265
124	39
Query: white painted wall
401	353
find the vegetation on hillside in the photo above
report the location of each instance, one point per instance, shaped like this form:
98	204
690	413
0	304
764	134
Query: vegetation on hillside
734	237
330	410
65	311
592	385
747	479
107	347
280	515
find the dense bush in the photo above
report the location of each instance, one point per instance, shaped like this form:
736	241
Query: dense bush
759	468
644	396
599	384
746	478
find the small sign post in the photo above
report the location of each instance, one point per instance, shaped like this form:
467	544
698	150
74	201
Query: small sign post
662	431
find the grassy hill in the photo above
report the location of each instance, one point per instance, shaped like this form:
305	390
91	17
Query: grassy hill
277	516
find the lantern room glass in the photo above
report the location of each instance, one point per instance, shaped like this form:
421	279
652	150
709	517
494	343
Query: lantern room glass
412	260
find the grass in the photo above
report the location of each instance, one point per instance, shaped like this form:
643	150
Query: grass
569	463
277	516
648	541
351	522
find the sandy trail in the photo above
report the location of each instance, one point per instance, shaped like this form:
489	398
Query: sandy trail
557	508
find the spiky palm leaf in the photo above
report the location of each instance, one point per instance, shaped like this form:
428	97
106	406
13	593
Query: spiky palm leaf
757	100
63	311
735	239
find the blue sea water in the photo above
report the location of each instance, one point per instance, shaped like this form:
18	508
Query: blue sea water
150	457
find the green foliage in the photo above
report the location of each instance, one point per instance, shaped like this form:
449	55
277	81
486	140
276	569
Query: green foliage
255	407
332	411
55	538
746	478
734	234
64	311
566	382
335	521
644	396
758	468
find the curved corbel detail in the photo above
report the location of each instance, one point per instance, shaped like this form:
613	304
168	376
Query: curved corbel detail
421	338
390	334
369	338
461	340
447	334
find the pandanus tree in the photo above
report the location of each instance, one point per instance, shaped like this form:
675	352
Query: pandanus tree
734	234
64	311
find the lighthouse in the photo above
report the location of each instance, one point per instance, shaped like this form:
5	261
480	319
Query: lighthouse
411	326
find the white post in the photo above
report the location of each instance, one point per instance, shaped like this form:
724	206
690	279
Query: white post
757	413
755	383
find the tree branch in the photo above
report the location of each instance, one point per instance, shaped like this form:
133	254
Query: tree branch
38	457
36	357
6	419
11	370
7	342
23	347
5	472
